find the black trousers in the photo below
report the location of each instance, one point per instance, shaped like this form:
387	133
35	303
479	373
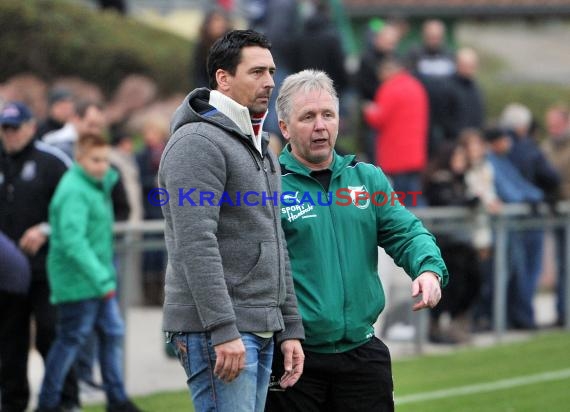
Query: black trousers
463	289
16	312
359	380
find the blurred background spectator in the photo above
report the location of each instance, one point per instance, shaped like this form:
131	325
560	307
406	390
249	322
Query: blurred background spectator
280	21
216	22
29	173
384	43
434	64
469	106
367	81
480	185
319	47
512	187
399	113
532	164
87	118
445	186
155	134
556	147
123	158
61	109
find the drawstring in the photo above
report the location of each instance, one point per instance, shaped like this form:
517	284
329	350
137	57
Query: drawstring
272	166
252	154
265	150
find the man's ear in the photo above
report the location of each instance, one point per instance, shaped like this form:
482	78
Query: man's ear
284	129
223	79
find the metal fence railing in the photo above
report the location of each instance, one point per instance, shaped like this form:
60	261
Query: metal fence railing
513	217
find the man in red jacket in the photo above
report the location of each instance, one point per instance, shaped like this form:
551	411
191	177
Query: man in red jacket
400	114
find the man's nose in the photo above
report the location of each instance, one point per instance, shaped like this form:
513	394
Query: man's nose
319	123
269	80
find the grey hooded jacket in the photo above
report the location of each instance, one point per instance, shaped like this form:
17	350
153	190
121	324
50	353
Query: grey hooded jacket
228	269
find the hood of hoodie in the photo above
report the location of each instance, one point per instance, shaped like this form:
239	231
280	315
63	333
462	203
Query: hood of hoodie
196	108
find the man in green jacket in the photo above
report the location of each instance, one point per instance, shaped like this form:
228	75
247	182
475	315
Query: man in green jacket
335	212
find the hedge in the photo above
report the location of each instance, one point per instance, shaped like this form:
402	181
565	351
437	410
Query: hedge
53	38
500	89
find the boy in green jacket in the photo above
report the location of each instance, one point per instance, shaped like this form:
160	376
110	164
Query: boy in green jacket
81	275
335	212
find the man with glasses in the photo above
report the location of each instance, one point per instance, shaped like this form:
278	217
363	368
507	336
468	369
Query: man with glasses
29	173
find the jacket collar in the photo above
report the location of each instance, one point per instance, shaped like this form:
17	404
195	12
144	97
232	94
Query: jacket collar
24	151
106	184
290	163
238	114
202	110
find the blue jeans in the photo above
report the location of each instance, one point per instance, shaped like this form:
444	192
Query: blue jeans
76	321
246	393
85	361
525	255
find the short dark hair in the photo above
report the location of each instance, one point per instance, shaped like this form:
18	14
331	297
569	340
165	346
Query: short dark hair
81	107
495	133
225	53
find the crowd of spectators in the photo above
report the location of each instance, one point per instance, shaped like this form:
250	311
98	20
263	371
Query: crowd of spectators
422	119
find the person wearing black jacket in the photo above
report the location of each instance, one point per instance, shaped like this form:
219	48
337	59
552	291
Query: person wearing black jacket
434	65
367	80
319	47
383	45
445	185
469	103
29	173
61	109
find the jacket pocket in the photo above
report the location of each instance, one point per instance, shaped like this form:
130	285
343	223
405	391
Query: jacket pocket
251	272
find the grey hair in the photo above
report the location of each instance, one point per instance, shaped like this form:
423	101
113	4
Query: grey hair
306	81
516	115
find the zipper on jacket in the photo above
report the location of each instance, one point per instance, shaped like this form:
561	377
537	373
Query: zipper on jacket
276	220
255	155
333	219
340	260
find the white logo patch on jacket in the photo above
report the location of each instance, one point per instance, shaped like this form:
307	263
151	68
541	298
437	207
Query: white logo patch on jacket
363	202
28	171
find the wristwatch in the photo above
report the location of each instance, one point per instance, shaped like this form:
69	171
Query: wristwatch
439	279
45	228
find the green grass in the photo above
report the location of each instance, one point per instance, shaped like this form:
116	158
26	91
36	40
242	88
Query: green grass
544	353
549	396
178	401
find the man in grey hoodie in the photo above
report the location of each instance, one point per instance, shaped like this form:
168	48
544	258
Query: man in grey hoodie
228	291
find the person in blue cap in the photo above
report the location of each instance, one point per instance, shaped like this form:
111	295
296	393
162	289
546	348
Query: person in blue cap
29	173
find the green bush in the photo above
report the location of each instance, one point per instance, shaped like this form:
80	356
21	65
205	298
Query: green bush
52	38
536	96
499	91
